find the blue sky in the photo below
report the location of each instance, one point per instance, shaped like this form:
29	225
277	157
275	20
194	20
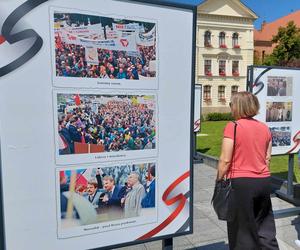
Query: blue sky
268	10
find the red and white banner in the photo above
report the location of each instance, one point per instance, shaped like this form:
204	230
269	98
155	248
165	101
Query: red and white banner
127	43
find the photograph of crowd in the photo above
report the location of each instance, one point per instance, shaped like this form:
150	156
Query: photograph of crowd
96	195
280	86
89	46
279	111
91	123
281	136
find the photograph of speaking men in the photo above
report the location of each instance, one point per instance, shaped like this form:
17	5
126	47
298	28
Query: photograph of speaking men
280	86
279	111
95	195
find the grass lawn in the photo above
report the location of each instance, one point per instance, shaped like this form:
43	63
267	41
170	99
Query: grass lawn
210	139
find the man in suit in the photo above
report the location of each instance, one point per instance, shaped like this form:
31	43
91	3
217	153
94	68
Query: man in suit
113	193
149	200
75	135
93	193
133	199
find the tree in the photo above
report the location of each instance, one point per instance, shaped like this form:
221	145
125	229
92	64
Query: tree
287	50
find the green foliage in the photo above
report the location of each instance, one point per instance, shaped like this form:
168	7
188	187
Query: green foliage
202	118
219	117
287	49
209	141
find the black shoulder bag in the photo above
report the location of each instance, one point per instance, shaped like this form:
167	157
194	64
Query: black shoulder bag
223	193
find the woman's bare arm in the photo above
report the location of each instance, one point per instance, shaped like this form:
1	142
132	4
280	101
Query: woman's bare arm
225	158
268	156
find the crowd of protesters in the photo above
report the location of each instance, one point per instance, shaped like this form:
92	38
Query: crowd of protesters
280	138
70	61
119	124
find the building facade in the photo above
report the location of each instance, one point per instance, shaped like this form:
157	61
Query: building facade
263	45
224	50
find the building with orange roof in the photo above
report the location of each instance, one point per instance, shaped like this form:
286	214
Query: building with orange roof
263	38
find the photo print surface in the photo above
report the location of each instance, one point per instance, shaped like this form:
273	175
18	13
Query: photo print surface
111	197
279	111
280	86
105	125
281	136
100	50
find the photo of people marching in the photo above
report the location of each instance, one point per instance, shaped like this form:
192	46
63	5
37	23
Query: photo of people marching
281	136
88	46
94	123
94	195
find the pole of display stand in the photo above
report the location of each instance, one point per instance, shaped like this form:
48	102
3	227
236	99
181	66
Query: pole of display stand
167	244
195	145
197	158
290	188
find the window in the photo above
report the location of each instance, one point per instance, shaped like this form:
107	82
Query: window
207	67
234	89
235	68
235	41
207	93
222	40
221	93
222	68
207	39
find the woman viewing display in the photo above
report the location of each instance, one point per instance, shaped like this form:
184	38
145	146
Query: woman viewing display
246	162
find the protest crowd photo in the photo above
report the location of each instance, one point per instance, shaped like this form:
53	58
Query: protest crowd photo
111	123
281	136
98	47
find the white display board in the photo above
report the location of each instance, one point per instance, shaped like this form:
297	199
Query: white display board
278	92
197	108
95	100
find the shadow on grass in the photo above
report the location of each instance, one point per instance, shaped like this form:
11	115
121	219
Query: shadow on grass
203	150
213	246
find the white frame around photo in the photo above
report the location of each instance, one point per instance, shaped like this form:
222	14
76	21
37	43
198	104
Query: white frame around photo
148	215
71	159
60	81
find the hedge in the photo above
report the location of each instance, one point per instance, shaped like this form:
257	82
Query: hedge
219	117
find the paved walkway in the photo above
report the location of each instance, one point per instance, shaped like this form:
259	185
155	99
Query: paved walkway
209	232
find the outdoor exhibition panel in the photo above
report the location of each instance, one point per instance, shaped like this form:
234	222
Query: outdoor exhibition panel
278	91
96	108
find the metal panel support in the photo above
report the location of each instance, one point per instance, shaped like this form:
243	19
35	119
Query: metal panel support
167	244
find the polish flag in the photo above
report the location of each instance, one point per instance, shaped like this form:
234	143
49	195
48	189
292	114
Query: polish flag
83	176
77	100
58	42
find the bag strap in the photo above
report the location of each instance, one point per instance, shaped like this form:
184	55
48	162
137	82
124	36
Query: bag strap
233	151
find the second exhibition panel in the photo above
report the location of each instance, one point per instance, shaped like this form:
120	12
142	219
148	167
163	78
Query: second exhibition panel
278	92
